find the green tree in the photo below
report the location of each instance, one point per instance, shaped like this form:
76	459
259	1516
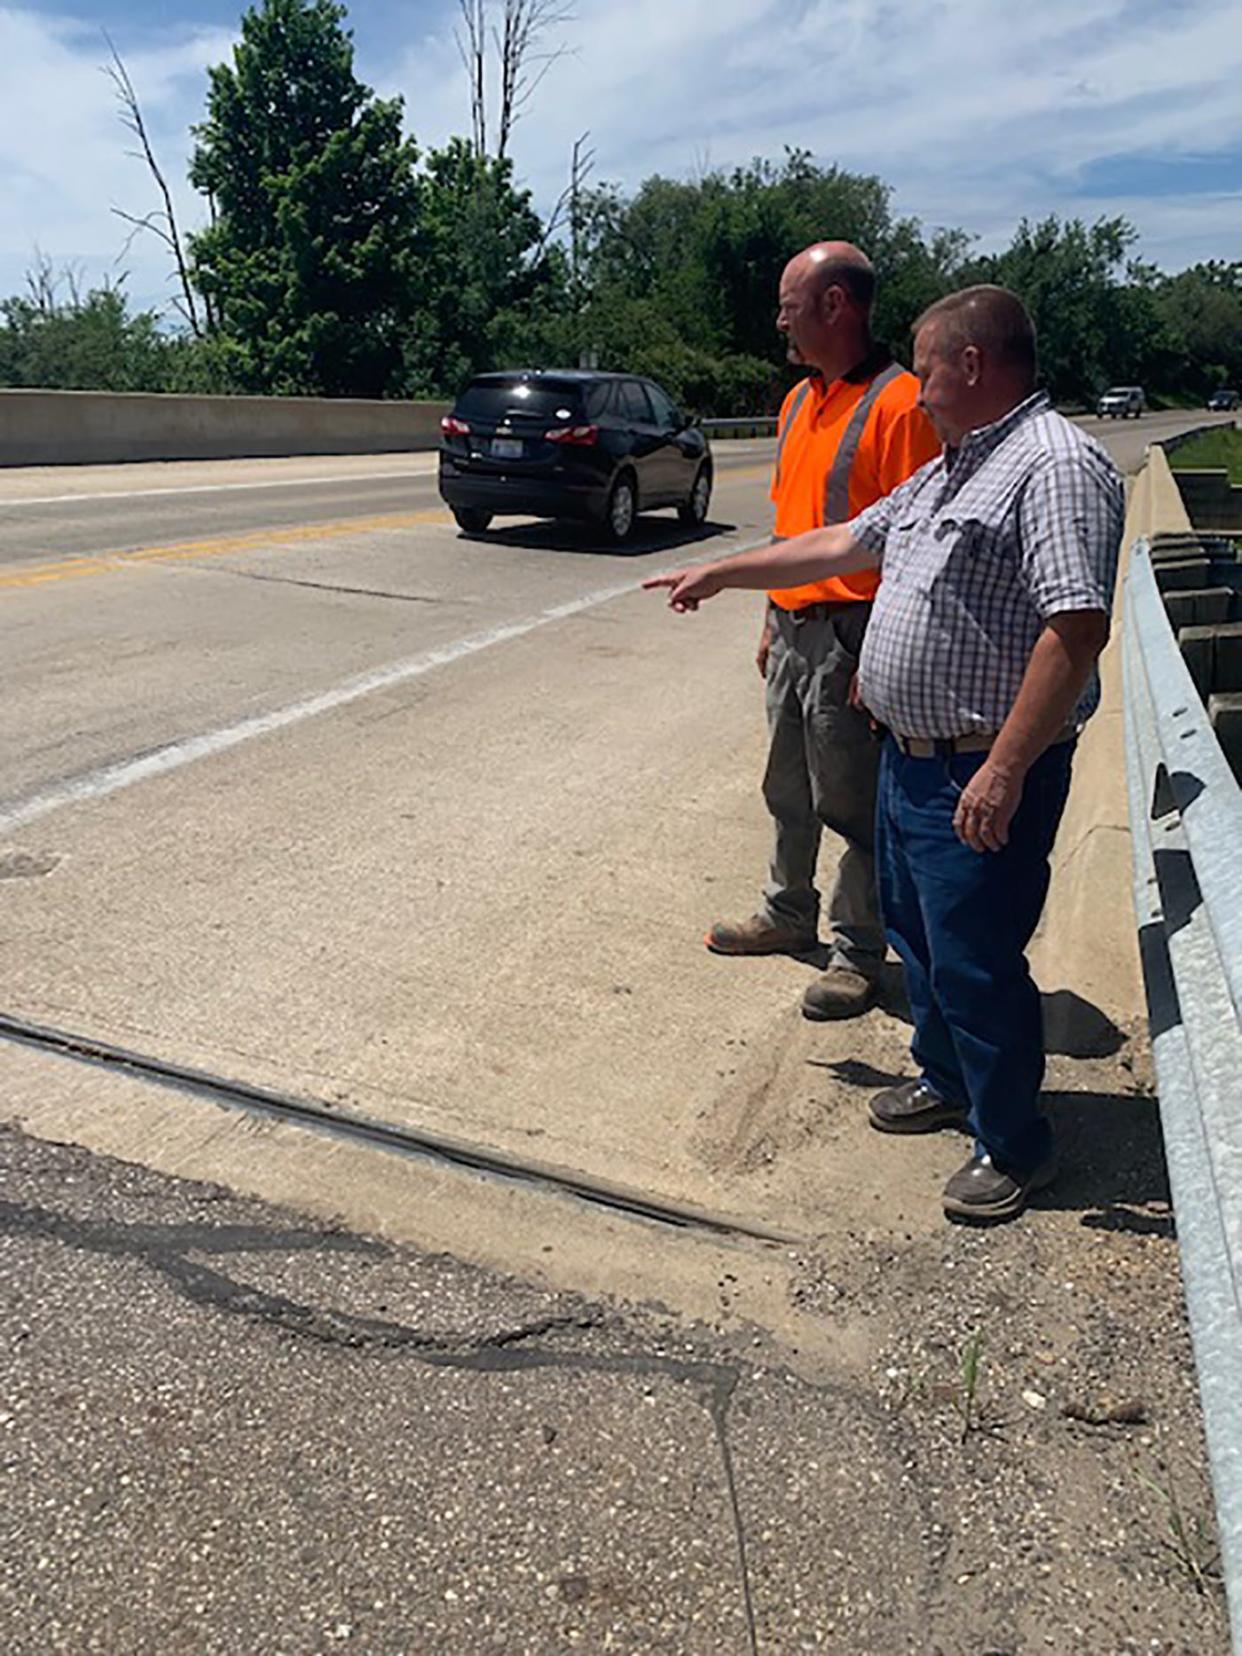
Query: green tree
686	274
1069	277
484	277
310	258
1201	313
85	342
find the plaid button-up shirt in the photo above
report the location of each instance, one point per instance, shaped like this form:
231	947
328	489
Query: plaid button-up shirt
978	551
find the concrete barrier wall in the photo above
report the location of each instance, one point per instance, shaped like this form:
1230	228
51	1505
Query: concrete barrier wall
1086	948
1156	504
1087	944
58	428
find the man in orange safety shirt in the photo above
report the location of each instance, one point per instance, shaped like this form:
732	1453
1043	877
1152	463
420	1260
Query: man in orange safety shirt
849	433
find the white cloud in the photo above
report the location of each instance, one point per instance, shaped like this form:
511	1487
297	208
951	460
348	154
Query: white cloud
63	149
977	111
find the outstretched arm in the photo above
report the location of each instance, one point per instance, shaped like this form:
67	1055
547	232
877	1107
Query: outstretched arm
814	556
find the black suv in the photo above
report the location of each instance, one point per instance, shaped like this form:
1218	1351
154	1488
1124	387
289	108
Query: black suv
567	443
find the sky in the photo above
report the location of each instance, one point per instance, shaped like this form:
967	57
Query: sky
976	112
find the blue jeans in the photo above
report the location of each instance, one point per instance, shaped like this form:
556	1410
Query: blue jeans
961	921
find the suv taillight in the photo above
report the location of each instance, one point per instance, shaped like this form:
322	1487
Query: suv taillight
583	434
451	426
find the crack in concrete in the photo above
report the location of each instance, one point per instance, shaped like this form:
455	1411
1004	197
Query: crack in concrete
166	1250
333	586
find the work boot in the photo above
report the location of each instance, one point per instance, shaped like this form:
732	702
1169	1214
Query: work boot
981	1191
840	992
912	1107
760	935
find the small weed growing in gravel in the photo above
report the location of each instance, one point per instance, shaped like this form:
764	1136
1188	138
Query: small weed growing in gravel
1191	1539
972	1366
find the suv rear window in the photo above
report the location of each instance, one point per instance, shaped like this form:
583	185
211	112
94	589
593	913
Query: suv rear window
552	400
634	404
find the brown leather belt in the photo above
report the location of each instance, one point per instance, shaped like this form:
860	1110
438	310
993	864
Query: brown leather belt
977	741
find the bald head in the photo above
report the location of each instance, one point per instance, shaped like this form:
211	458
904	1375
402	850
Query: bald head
825	307
840	264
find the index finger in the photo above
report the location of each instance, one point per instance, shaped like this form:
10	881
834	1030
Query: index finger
966	825
670	580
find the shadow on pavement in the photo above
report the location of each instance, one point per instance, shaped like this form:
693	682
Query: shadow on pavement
1073	1027
1076	1028
651	534
1112	1162
855	1073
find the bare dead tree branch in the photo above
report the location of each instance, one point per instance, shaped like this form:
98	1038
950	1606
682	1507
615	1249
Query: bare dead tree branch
150	222
160	222
73	281
525	60
472	48
581	165
524	55
42	282
553	222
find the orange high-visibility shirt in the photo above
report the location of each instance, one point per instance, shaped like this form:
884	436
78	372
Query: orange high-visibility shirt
895	441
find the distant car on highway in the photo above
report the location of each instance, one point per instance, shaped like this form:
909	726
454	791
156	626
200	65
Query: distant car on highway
1223	401
571	443
1122	402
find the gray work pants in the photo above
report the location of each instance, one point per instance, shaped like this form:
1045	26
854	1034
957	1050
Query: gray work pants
823	767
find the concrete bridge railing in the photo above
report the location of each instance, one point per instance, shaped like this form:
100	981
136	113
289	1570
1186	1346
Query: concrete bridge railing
67	428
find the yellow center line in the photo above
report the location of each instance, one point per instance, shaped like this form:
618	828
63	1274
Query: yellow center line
744	474
108	563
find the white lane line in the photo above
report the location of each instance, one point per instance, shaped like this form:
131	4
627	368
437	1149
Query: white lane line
429	470
212	488
110	779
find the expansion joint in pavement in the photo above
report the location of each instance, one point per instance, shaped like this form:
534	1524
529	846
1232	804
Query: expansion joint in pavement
481	1160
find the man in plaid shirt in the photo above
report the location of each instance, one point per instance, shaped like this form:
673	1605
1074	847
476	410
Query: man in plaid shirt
998	562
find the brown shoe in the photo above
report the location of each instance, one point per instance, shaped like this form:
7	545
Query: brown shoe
840	992
759	936
981	1191
912	1107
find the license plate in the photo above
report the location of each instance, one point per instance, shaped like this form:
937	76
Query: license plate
507	448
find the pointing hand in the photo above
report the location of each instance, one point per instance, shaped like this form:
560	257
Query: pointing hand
687	587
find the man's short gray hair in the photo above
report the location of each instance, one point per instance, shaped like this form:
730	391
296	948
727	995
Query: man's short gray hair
857	279
990	317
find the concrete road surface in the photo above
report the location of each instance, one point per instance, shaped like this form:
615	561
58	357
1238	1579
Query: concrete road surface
354	865
306	792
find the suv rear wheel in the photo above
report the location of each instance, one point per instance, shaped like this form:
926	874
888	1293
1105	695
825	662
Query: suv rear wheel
473	519
622	509
695	508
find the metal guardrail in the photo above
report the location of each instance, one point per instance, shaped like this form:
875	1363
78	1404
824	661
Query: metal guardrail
1186	822
1179	439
